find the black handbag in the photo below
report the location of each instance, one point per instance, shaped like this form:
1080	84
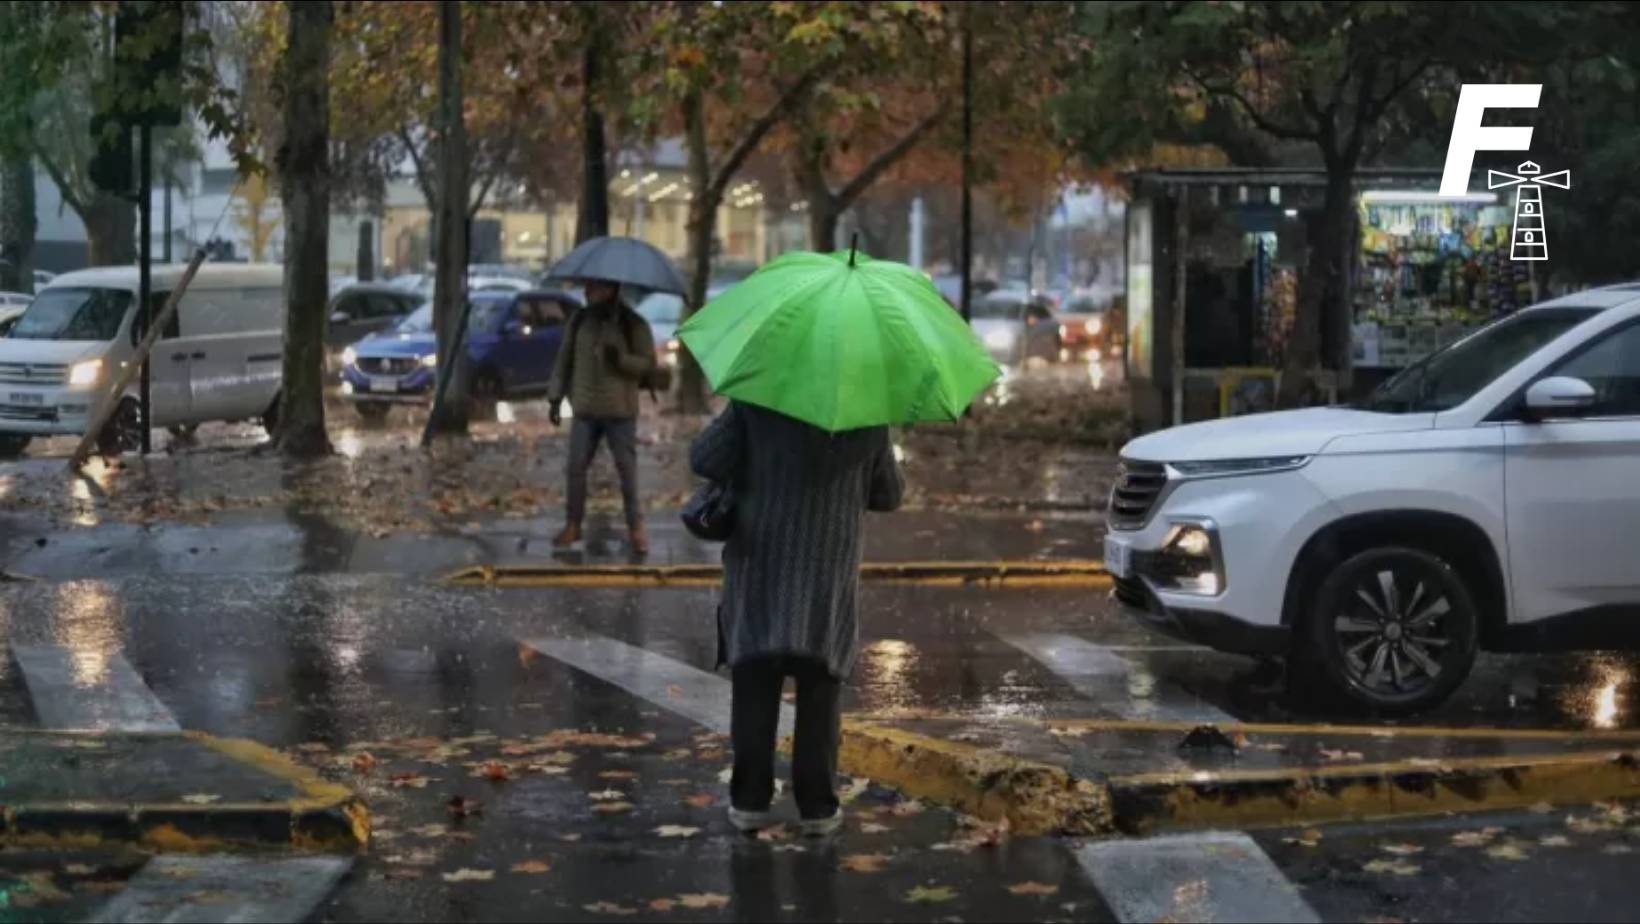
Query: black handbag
710	514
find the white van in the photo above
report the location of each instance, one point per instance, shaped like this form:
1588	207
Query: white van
218	359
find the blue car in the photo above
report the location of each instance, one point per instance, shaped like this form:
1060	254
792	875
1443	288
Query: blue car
512	343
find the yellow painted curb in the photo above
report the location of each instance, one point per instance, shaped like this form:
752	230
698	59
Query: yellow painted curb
1319	729
1149	802
1056	573
1035	798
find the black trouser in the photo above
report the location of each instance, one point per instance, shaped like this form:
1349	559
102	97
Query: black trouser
755	718
622	435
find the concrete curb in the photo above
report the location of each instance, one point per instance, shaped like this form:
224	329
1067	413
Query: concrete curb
324	817
1044	573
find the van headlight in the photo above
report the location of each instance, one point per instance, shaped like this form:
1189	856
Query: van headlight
85	373
349	356
430	361
1222	467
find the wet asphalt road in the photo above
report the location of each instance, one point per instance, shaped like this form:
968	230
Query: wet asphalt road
434	684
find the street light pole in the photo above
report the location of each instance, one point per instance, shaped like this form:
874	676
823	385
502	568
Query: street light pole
145	283
967	162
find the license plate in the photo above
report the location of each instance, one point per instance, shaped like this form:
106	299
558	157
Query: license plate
1118	557
25	397
384	385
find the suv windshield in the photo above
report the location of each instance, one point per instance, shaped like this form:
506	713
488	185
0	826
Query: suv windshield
484	318
74	314
661	308
1449	377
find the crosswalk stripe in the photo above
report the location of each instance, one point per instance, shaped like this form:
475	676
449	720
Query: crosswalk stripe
185	889
1099	673
76	691
673	685
1207	876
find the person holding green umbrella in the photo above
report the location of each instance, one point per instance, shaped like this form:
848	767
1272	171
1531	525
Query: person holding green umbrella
819	353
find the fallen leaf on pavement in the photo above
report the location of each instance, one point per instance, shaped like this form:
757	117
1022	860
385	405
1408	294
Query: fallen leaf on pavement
676	831
774	833
532	867
674	691
930	895
314	747
608	795
409	780
677	755
201	798
1509	851
461	807
864	862
470	875
1392	867
871	827
1589	825
569	838
431	831
617	775
906	808
561	758
1073	732
364	762
1555	840
80	869
1616	849
612	808
701	800
1033	888
1540	808
1479	838
547	769
662	904
412	858
609	908
1333	756
495	771
1401	850
1309	837
704	900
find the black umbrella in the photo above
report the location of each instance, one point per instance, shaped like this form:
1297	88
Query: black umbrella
623	260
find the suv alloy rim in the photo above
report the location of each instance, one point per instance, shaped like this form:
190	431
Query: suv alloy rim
1393	640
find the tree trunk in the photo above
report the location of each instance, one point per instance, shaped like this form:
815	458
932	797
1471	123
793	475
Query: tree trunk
366	253
592	218
17	223
110	231
304	185
1321	291
701	223
449	281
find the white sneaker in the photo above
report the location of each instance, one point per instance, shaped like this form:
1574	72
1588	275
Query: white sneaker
750	822
820	827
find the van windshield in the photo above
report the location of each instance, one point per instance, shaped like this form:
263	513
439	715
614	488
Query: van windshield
74	314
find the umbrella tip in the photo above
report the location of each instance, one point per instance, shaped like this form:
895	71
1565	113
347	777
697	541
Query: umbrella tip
853	243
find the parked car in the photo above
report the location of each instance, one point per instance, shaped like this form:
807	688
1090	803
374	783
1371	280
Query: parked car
498	284
512	343
1015	327
12	305
42	279
366	308
1483	498
664	312
217	359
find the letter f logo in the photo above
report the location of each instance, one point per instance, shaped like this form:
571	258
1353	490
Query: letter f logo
1469	136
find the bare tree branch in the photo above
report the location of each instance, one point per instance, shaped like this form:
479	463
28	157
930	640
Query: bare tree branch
420	166
887	158
70	196
1266	124
760	127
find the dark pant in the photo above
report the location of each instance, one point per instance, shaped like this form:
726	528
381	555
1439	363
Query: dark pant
622	436
755	718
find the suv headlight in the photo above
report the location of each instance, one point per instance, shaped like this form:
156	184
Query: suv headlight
85	373
1190	560
430	361
1223	467
349	356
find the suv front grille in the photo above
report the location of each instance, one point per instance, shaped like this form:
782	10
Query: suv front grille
33	373
388	365
1133	496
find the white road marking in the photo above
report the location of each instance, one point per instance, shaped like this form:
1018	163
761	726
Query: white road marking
179	889
1121	685
1206	876
673	685
87	691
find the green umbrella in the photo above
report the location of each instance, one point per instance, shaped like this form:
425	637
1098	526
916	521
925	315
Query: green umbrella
841	341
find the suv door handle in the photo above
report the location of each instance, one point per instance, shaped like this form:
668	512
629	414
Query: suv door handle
199	356
179	357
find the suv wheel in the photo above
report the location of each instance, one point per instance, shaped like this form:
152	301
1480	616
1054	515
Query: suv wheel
12	445
1393	630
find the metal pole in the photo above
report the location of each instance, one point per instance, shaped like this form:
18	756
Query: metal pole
168	232
967	163
1181	248
145	203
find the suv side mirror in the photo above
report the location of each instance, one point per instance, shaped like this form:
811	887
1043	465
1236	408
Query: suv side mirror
1557	396
339	317
514	329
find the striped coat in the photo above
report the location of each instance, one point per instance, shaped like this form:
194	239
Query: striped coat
792	567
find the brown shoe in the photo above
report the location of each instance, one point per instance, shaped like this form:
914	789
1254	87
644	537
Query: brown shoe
568	536
640	540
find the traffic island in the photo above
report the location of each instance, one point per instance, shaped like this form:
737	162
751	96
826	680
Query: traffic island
1093	777
185	792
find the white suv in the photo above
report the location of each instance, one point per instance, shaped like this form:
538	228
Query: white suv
1486	497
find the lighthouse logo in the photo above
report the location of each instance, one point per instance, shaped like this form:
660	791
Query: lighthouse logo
1529	240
